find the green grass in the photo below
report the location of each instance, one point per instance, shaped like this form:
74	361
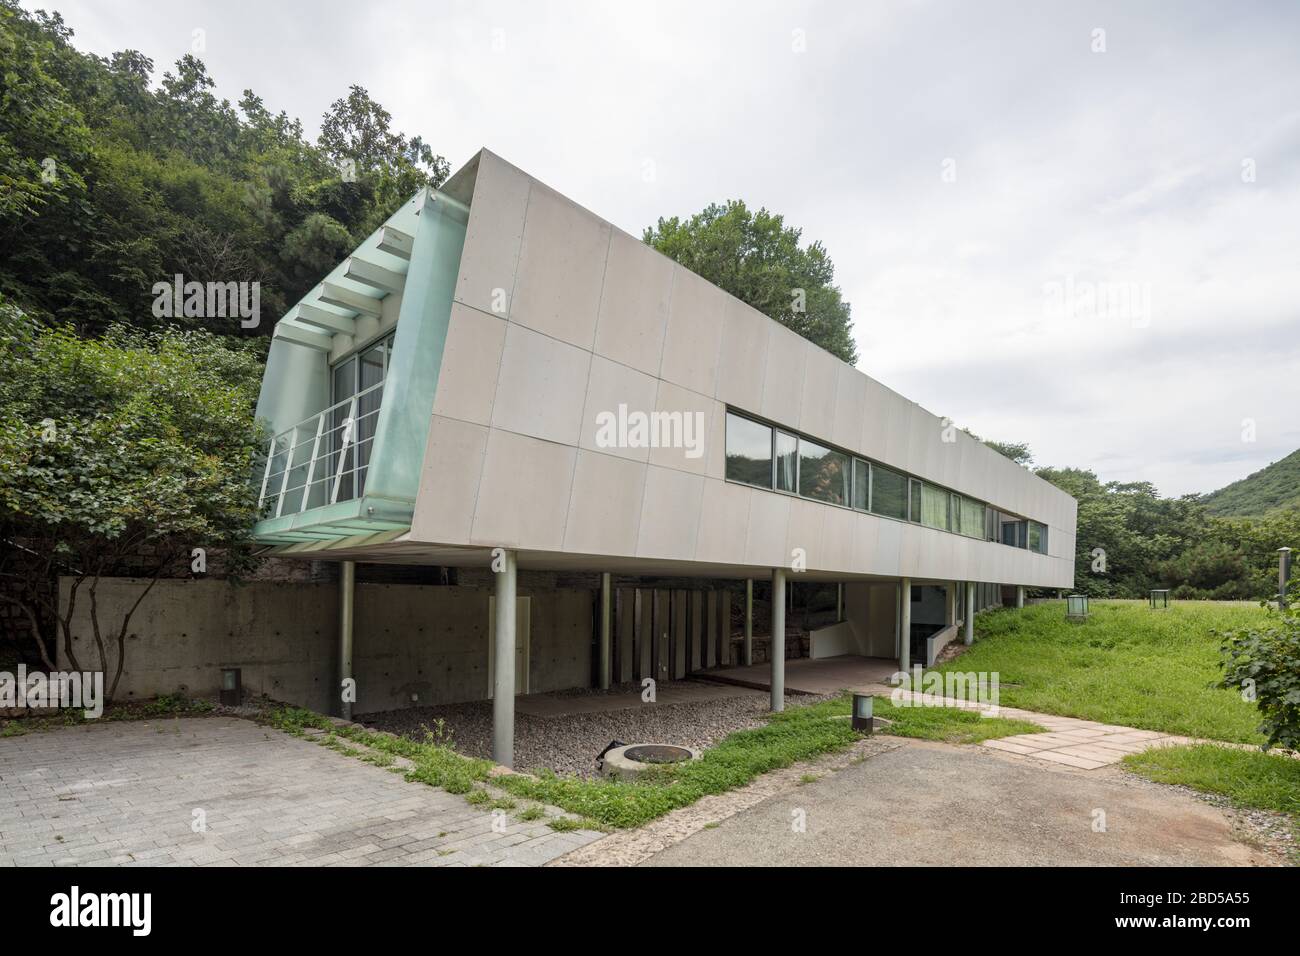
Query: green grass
1125	665
434	763
166	705
797	734
1251	778
948	724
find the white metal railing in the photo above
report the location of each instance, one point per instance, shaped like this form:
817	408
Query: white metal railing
323	459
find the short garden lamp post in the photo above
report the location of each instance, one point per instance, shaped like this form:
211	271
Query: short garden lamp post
862	712
232	687
1076	607
1159	599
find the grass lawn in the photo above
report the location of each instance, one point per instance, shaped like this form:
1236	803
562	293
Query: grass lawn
1125	665
799	733
948	724
1268	781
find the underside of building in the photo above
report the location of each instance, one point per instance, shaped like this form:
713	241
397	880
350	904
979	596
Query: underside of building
617	454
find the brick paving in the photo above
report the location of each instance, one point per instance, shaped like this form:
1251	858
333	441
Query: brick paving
125	793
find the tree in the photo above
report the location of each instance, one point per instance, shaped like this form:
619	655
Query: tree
758	259
110	183
137	448
1017	451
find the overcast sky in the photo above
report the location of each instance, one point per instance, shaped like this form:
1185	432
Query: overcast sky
1085	240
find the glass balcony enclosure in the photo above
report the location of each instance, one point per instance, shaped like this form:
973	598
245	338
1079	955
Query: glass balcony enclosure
324	459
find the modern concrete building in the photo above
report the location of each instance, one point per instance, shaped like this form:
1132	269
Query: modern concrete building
499	378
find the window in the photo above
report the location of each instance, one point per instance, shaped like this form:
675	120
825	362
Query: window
972	518
914	499
357	391
764	456
934	507
749	451
861	484
787	462
1037	537
823	473
888	493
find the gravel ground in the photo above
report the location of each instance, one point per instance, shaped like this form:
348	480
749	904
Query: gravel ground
570	743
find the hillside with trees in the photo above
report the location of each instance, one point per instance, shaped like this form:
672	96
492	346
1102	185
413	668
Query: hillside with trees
1273	488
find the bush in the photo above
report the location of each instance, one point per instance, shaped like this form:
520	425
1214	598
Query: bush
1264	664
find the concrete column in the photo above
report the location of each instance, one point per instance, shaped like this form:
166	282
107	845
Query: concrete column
1020	595
606	610
347	604
748	647
778	639
503	649
905	625
969	636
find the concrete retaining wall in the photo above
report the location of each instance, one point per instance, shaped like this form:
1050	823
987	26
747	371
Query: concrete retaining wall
414	645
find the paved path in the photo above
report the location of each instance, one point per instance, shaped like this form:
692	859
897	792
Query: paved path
126	793
935	804
1084	744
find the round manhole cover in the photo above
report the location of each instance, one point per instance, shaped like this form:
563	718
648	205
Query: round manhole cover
657	753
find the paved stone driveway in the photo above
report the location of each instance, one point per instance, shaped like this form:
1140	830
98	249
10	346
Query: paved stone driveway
125	794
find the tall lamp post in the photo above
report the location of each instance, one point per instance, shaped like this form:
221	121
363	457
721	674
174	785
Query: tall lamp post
1283	575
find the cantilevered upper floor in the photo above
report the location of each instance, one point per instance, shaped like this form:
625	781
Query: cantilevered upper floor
499	367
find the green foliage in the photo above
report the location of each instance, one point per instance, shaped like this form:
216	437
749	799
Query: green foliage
109	184
758	259
1247	777
1262	660
1272	488
949	724
138	444
1126	665
1018	452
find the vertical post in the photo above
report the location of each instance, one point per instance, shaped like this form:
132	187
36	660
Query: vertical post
1283	576
777	653
606	609
905	625
969	636
503	649
748	647
1020	595
347	602
839	602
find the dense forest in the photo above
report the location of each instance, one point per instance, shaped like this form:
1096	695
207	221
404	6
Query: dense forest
113	178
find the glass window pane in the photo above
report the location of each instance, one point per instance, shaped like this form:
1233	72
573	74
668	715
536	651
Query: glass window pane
934	507
972	518
1037	537
914	499
749	451
823	473
861	483
888	493
787	462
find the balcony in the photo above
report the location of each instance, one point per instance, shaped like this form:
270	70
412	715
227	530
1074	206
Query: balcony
323	459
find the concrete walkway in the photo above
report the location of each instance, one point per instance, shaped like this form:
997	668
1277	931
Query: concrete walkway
827	675
1083	744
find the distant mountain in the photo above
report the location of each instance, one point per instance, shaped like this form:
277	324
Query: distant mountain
1277	486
